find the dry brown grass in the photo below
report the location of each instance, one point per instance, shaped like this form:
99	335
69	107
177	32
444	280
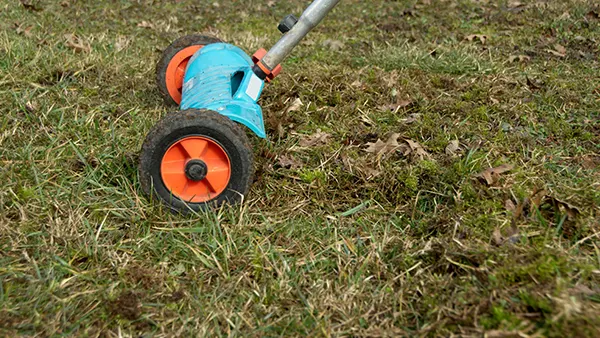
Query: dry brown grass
333	240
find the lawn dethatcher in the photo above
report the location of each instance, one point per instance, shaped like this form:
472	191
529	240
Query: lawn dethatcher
199	157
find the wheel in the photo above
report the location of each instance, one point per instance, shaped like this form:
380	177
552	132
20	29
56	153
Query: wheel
195	160
171	66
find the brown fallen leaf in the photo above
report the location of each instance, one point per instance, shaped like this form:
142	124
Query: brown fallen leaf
541	197
348	162
590	162
520	58
295	106
533	84
558	50
30	5
145	24
21	30
565	16
369	172
315	139
289	162
391	78
482	38
361	166
382	148
405	147
30	107
334	45
536	198
593	14
492	175
497	237
121	43
394	107
510	236
357	84
411	118
509	205
416	149
452	148
516	6
76	43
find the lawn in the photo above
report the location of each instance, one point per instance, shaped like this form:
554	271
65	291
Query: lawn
432	169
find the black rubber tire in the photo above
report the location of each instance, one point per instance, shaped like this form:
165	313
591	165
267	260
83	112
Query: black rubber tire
174	48
195	122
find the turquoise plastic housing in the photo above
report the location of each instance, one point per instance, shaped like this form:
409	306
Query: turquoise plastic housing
219	77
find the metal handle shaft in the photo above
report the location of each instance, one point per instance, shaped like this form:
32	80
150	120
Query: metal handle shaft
311	17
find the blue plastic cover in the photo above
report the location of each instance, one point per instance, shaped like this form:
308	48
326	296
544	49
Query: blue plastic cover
219	77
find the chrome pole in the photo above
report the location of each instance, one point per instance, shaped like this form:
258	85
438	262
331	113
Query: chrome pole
311	17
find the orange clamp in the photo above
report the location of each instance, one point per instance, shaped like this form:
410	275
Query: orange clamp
271	74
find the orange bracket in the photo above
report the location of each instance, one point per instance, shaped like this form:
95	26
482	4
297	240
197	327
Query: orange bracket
257	59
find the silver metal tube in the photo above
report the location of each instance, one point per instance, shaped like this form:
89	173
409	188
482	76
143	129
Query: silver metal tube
311	17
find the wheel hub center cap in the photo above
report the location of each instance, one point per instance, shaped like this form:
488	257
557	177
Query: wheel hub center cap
196	170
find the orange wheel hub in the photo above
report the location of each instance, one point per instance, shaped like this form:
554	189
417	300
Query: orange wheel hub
196	169
176	71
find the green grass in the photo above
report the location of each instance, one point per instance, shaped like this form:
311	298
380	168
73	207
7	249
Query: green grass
343	244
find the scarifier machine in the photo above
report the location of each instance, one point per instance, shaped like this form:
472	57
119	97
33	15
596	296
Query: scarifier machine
199	157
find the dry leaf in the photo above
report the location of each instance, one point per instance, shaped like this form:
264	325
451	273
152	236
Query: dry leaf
334	45
593	14
369	172
145	24
540	197
295	106
348	162
23	31
394	107
289	162
492	175
565	16
406	147
536	197
382	148
512	236
497	237
77	43
559	51
314	139
356	84
510	206
121	43
271	3
411	118
514	4
480	37
520	58
30	5
532	84
364	168
30	107
280	130
416	149
452	148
